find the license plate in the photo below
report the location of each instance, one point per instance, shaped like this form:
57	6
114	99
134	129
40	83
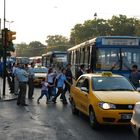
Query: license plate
126	116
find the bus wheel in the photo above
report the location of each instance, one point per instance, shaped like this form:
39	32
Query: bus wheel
74	110
92	119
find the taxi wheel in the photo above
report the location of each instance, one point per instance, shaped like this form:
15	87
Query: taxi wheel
139	135
75	111
92	118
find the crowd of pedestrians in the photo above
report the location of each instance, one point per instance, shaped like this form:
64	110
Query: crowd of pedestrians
18	77
56	83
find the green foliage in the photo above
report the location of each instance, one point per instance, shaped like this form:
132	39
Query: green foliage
34	48
56	40
122	25
117	25
59	48
57	43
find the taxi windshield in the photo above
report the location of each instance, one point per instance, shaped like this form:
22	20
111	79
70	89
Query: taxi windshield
111	84
40	70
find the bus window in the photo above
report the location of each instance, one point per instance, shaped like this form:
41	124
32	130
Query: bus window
108	59
129	58
86	59
82	53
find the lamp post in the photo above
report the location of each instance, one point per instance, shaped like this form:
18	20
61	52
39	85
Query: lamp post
0	25
4	36
9	23
95	16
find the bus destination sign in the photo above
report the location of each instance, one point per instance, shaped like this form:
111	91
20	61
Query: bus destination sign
120	42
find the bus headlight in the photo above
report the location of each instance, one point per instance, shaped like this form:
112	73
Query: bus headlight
106	106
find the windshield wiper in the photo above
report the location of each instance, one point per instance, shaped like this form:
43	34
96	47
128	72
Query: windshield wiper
122	89
102	89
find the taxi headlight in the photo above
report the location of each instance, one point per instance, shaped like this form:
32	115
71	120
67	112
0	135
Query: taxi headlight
106	106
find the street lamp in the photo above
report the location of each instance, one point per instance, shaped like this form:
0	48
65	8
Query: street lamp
4	49
95	16
9	23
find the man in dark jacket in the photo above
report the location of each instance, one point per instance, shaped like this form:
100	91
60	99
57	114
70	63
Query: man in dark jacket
80	71
135	76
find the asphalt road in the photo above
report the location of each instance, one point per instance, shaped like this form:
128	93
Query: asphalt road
52	122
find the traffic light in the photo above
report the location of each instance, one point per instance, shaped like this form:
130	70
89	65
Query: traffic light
10	35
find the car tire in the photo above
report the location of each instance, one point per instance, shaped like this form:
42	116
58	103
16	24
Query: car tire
138	135
74	110
92	119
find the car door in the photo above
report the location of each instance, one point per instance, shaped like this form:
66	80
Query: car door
77	93
84	95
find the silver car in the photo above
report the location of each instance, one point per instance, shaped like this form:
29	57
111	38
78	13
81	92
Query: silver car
135	120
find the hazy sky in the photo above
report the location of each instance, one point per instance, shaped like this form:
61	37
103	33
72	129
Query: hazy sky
35	19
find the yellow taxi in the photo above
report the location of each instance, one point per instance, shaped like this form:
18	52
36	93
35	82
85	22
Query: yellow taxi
105	97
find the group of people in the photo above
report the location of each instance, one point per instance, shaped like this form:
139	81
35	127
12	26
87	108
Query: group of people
54	84
23	76
60	81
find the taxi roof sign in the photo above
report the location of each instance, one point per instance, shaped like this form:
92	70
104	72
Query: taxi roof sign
107	74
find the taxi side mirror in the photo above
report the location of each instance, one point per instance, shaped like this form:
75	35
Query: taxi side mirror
138	89
85	89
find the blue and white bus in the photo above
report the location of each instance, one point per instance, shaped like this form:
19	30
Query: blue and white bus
106	53
55	59
22	60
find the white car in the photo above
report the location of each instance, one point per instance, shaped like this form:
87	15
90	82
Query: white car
135	120
40	74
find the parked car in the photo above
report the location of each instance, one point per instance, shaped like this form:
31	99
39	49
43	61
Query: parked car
40	73
135	120
105	97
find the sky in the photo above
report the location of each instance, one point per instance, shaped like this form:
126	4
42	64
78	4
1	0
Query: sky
34	20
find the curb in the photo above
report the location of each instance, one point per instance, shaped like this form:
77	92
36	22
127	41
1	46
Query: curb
8	98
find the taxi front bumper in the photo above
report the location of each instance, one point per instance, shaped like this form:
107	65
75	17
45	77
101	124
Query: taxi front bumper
113	116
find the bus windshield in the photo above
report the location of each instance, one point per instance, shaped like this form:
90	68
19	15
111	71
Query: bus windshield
117	58
54	59
108	58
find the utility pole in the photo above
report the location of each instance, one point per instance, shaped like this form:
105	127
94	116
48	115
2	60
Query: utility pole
0	44
0	25
4	37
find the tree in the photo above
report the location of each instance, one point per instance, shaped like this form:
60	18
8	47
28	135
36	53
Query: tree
117	25
122	25
34	48
88	30
57	42
21	50
37	48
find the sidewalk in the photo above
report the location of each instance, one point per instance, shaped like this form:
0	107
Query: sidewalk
8	96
